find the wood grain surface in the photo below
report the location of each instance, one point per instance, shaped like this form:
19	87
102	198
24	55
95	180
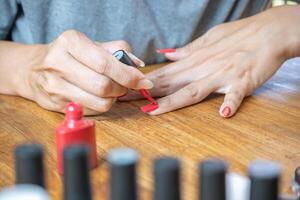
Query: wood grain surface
267	126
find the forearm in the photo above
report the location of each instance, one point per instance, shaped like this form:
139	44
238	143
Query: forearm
14	58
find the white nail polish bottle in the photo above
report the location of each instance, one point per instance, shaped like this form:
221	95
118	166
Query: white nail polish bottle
24	192
237	187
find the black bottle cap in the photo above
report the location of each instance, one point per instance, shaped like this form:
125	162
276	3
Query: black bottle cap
29	164
297	175
167	179
76	173
264	177
122	56
122	163
212	179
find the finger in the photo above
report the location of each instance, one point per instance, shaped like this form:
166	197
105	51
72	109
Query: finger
185	51
114	46
136	60
180	53
90	81
53	85
210	38
60	104
163	84
87	100
99	60
189	95
168	81
45	102
232	101
90	112
131	95
203	57
52	101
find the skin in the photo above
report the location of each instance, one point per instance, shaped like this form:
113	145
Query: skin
232	59
71	68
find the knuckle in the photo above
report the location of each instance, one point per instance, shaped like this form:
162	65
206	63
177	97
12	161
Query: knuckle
241	71
50	59
58	107
214	33
161	74
67	36
122	44
70	33
107	104
240	56
256	81
238	95
103	65
51	85
104	87
211	31
248	85
215	29
190	47
191	92
131	80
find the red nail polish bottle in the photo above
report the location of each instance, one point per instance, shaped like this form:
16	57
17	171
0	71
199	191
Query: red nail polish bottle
75	130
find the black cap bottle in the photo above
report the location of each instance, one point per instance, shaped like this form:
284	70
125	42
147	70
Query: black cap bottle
29	164
76	173
122	56
122	162
212	174
167	179
264	177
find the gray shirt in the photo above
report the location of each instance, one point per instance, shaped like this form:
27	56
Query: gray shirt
145	24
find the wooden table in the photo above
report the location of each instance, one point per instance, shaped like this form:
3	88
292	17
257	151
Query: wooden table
267	126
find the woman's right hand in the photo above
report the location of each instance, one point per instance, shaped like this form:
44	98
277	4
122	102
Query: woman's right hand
74	68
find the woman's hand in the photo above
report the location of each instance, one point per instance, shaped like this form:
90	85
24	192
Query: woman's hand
73	68
233	59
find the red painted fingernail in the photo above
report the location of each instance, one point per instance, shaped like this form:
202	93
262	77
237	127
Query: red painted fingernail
169	50
226	111
149	108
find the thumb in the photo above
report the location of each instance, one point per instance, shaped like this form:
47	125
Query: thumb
232	102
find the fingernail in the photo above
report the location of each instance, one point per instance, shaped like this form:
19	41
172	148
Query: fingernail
145	84
168	50
226	111
149	108
139	61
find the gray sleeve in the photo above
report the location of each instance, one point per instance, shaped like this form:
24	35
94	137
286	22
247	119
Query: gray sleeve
8	13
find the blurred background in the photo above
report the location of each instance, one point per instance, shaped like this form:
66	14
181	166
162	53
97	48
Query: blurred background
285	2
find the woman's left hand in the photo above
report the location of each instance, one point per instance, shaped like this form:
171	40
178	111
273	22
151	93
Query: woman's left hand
233	58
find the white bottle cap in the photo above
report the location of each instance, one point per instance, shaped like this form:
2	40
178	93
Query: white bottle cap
24	192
